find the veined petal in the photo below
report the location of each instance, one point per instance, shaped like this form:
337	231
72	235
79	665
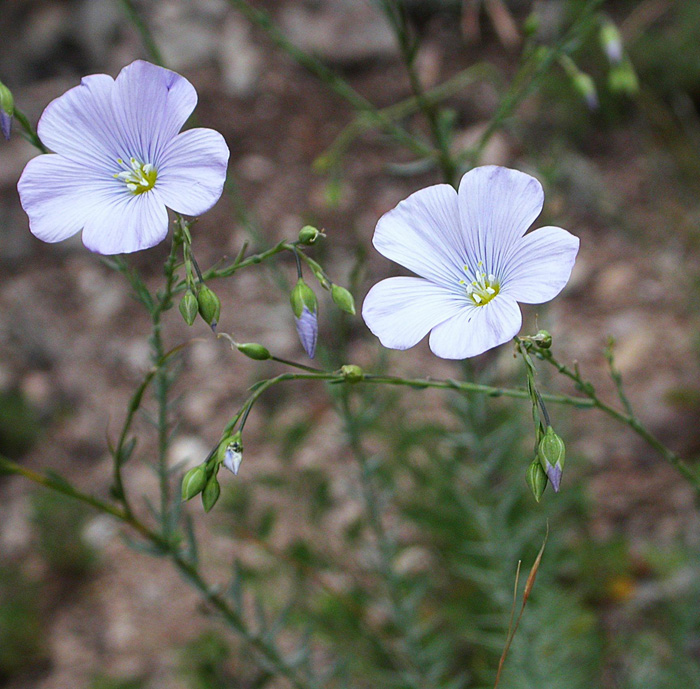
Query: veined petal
192	171
151	104
124	223
423	234
497	205
80	125
58	195
476	329
540	265
400	311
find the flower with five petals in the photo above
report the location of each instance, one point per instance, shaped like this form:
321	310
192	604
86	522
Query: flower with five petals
474	260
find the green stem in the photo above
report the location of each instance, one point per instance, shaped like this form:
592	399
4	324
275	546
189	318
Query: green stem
146	35
29	131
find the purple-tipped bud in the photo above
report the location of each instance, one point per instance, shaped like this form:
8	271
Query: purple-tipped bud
307	329
611	41
230	452
551	453
7	109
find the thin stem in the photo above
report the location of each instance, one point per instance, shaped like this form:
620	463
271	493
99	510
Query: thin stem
213	273
147	38
29	131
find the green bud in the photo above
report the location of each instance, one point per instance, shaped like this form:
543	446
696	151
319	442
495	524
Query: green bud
343	299
552	453
352	373
584	85
7	102
193	482
536	479
189	307
543	339
211	493
209	305
532	24
302	295
308	235
611	41
623	79
254	351
230	452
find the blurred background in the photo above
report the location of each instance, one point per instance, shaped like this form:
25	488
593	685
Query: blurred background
617	601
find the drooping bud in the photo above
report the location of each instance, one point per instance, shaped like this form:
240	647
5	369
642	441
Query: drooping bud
623	79
611	41
193	482
253	350
536	479
230	452
352	373
7	110
209	306
189	307
309	234
584	85
543	339
211	493
343	299
551	453
305	308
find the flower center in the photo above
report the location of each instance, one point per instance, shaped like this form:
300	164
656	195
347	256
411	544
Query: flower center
482	287
139	177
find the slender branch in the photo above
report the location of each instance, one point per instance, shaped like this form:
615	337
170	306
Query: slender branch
147	37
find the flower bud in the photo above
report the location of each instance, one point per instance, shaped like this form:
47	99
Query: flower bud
584	85
352	373
7	109
211	493
623	79
611	41
305	308
230	452
543	339
536	479
308	235
253	350
209	306
343	299
551	453
189	307
193	482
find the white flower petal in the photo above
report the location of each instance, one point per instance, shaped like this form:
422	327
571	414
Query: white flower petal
124	223
497	206
423	234
150	105
400	311
476	329
80	125
192	171
540	265
58	195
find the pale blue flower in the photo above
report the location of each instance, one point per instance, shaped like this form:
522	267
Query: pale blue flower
475	261
120	160
307	329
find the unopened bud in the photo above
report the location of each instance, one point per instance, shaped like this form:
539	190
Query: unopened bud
543	339
532	24
7	110
305	308
343	299
552	453
308	235
209	305
211	493
584	85
230	452
623	79
611	41
254	351
193	482
352	373
189	307
536	479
